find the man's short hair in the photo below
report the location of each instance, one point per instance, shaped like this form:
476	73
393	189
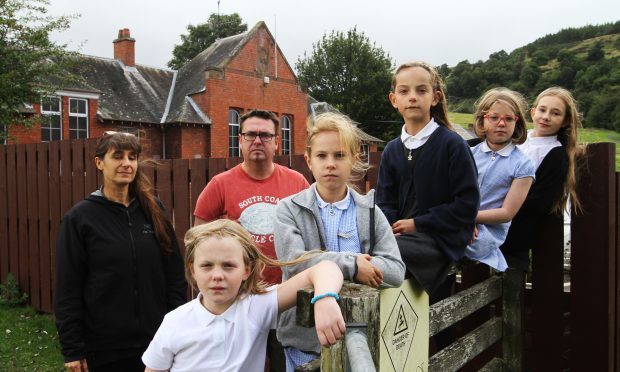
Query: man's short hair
263	114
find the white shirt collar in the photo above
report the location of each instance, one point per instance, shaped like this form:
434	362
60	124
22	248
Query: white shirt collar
341	204
541	141
413	142
206	317
504	151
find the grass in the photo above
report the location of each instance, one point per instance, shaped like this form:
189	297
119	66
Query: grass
28	341
586	135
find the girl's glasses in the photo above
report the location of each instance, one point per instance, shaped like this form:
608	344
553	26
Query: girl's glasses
495	119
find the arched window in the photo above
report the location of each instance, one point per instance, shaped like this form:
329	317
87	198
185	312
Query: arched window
233	133
286	135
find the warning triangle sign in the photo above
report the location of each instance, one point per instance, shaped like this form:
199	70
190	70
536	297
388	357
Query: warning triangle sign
401	322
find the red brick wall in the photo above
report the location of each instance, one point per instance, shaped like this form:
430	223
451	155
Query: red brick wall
194	142
242	87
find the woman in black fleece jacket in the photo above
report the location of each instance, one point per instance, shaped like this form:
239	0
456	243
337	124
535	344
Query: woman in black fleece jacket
118	266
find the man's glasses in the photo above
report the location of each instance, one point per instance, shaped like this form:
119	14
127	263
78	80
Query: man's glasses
251	136
495	119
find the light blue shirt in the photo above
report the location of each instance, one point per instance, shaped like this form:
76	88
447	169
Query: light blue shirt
340	224
496	172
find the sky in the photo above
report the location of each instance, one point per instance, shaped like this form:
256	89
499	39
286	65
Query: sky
438	32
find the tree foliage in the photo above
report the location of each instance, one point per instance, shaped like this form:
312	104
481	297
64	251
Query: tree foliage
584	60
349	72
31	65
199	37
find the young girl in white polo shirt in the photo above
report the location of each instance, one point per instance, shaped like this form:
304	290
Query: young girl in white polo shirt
225	328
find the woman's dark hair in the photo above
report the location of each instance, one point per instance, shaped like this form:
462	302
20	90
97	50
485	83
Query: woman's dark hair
141	186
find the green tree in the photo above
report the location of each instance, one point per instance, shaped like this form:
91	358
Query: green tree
31	65
199	37
349	72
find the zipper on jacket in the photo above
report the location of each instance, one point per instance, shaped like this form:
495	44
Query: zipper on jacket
135	267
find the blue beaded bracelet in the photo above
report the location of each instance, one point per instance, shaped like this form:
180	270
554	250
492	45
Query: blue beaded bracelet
326	294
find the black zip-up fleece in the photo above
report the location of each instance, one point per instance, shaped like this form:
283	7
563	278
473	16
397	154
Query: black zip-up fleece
113	284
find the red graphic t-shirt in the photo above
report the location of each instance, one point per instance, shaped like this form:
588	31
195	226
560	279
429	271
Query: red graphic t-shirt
235	195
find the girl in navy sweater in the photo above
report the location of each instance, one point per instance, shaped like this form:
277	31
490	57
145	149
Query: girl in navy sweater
427	185
552	147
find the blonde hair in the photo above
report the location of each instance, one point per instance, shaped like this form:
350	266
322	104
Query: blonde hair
252	255
439	112
567	135
513	99
349	140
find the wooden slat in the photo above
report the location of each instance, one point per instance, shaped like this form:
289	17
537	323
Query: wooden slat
4	220
44	185
466	348
513	288
66	182
495	365
593	264
617	366
216	166
374	158
547	290
163	184
77	179
33	225
233	162
90	180
22	217
299	164
55	210
181	199
454	308
11	180
198	181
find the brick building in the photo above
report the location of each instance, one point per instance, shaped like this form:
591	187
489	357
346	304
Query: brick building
189	113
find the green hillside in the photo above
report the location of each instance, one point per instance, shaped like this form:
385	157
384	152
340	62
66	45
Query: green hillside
585	60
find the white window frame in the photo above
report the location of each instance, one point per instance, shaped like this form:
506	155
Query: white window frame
78	115
287	126
234	118
49	113
365	150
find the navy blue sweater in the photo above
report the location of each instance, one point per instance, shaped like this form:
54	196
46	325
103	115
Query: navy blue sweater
445	180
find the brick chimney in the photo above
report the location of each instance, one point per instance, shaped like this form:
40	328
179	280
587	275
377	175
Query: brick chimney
124	48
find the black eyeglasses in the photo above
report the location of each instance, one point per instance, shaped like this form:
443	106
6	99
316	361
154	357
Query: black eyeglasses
251	136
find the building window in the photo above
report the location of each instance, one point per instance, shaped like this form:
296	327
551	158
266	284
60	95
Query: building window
51	120
233	133
365	152
286	135
78	118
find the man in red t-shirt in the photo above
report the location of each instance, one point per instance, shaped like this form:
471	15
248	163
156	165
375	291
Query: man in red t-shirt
248	193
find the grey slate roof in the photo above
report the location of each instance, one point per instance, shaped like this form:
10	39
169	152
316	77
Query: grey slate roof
126	94
154	95
190	78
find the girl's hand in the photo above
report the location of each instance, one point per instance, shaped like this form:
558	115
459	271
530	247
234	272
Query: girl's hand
77	366
367	273
328	321
473	238
403	226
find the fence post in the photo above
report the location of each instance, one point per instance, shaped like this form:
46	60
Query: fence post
513	286
359	305
593	264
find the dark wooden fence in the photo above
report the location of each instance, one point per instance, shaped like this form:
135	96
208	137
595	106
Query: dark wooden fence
577	329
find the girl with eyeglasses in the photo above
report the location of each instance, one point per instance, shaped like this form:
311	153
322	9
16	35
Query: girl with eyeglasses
505	173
